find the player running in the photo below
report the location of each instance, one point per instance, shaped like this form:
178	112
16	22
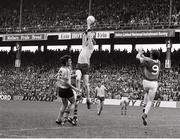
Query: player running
88	43
65	89
100	95
151	67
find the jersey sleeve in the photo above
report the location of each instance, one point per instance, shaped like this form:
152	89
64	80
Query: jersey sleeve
104	87
145	61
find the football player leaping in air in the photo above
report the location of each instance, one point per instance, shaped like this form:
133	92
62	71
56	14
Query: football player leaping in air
88	43
151	68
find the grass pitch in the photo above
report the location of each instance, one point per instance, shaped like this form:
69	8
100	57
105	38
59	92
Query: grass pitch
25	119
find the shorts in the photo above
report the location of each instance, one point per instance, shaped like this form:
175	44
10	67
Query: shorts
65	93
151	85
101	98
84	68
125	99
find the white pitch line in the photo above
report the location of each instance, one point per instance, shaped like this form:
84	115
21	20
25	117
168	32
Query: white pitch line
16	136
68	127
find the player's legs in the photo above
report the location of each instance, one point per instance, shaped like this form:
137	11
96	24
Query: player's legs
78	79
145	99
102	104
87	89
125	107
126	104
150	97
146	90
98	106
61	111
122	107
72	104
86	82
75	119
66	112
75	113
68	109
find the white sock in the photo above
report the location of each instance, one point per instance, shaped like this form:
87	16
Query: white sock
148	107
145	98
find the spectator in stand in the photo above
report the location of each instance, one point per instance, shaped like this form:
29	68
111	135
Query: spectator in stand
60	15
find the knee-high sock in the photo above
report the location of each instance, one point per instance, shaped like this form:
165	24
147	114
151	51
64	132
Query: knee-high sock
75	110
145	98
148	107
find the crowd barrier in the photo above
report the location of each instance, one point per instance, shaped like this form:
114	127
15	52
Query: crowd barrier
163	104
35	98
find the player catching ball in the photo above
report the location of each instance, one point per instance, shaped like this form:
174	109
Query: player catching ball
151	68
88	43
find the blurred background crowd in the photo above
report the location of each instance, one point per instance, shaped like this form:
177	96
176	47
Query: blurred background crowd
68	15
119	71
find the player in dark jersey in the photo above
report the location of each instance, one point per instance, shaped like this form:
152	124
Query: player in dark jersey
151	68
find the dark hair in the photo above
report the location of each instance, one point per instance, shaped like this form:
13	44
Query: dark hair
155	54
64	59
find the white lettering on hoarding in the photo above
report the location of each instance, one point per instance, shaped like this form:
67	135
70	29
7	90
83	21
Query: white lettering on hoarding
144	34
64	36
5	97
165	104
24	37
37	37
12	38
102	35
77	35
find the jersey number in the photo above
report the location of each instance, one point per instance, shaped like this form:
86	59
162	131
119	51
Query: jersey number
155	69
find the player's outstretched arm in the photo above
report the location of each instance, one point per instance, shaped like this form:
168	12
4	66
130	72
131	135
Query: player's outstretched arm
94	42
141	56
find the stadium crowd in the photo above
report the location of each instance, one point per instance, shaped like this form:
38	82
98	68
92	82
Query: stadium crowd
119	71
60	15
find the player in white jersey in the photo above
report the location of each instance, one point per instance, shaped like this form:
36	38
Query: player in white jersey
100	94
65	89
88	43
78	96
151	67
124	103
